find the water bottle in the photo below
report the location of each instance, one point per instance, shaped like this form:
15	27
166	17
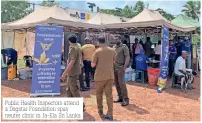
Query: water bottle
126	77
159	90
133	77
130	75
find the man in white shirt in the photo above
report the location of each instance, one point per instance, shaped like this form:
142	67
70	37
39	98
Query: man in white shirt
180	68
157	51
180	65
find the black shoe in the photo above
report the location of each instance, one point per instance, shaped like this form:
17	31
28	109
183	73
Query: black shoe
118	100
87	88
102	115
109	117
124	103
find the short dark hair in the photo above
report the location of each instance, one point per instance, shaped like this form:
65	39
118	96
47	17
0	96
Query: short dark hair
101	39
136	39
148	38
159	42
124	41
72	38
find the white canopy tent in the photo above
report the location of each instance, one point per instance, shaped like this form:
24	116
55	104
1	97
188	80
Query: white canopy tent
147	18
101	19
47	15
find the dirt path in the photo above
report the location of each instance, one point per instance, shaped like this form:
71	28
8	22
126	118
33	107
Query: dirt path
145	103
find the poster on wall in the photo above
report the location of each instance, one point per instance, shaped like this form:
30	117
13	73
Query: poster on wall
164	57
47	60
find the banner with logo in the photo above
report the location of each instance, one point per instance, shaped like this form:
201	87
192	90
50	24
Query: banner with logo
47	60
164	57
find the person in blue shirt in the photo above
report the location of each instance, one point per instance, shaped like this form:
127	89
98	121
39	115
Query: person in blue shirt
141	62
186	46
178	47
172	57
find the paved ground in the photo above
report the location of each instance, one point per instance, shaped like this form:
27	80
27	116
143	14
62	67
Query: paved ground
145	103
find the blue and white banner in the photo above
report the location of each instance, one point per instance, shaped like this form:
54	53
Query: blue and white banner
47	60
164	56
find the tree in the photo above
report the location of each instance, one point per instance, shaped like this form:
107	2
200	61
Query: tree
139	6
192	9
91	6
14	10
165	14
49	3
127	11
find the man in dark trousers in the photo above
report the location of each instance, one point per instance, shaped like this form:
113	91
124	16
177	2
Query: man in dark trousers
178	47
122	59
73	69
172	57
147	48
103	60
87	51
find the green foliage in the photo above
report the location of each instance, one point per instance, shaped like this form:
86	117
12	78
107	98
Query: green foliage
48	3
14	10
165	14
127	11
192	9
130	12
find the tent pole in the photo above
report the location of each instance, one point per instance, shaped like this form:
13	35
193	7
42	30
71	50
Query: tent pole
197	62
190	37
161	41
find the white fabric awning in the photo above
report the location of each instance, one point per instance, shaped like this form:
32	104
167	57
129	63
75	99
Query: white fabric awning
47	15
148	18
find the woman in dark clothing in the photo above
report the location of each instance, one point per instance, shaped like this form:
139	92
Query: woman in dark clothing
147	48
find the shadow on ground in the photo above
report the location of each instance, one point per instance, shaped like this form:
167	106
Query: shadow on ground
137	109
191	94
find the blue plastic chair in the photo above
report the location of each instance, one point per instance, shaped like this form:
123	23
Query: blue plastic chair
139	78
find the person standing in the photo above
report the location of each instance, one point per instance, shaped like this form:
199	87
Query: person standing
172	57
122	59
87	51
178	47
10	56
157	51
103	60
147	48
73	69
136	50
186	46
141	42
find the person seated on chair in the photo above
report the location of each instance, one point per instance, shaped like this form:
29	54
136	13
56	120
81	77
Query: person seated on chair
141	62
180	67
